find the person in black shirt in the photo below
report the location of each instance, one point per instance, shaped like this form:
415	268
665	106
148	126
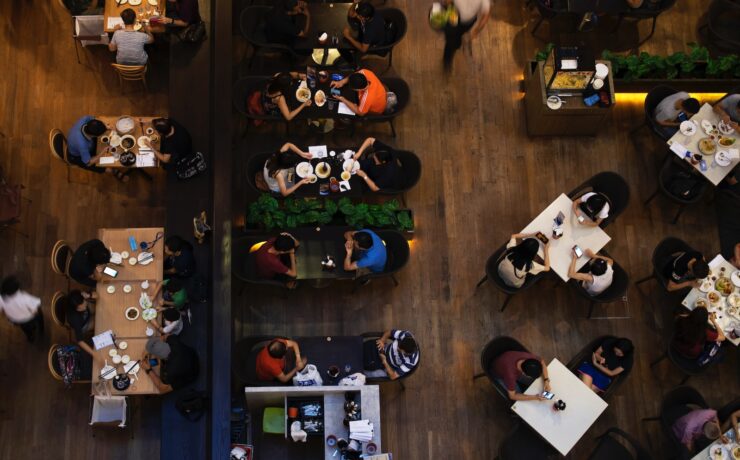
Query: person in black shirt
371	31
175	142
179	369
610	359
88	261
80	317
684	269
283	24
380	169
179	260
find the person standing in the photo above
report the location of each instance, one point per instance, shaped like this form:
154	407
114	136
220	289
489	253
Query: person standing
472	14
21	308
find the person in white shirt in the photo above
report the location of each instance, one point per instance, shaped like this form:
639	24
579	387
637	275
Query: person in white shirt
674	109
173	323
472	14
591	209
599	276
21	308
519	260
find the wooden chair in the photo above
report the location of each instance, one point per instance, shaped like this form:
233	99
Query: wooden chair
88	30
59	311
52	362
58	148
131	73
61	256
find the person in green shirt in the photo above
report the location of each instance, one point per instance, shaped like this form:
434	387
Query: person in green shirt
173	293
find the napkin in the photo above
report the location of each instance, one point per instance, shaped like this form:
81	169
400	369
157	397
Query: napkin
344	186
733	154
317	151
107	160
344	110
679	149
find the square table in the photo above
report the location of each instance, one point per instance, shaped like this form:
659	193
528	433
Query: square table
315	245
564	428
140	385
724	320
140	125
356	183
679	143
561	250
117	240
144	11
324	352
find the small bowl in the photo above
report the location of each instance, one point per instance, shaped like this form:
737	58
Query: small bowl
132	261
124	254
125	359
122	345
149	332
127	288
149	131
116	359
145	284
110	289
112	352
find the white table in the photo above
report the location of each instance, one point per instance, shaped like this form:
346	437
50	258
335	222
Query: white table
561	250
724	320
714	173
704	454
564	428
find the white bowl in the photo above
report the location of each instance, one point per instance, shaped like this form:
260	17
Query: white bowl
122	345
125	359
112	352
117	359
124	254
598	83
132	261
127	288
110	289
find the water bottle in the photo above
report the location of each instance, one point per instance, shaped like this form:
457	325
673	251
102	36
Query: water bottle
703	165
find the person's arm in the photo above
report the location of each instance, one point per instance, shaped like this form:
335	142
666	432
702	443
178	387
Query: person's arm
292	147
296	349
163	157
287	113
592	255
161	386
370	183
305	12
722	113
368	143
514	396
158	290
348	235
348	264
351	105
717	327
285	378
95	158
287	191
547	256
574	274
292	271
393	375
668	123
480	24
340	83
734	420
545	376
113	45
355	43
673	286
736	259
84	346
295	240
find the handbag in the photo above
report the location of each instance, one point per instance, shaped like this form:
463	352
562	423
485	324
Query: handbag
194	33
710	353
192	404
307	377
355	380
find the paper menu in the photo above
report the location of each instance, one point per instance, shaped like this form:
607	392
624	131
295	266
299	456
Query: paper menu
113	21
102	340
318	151
145	158
107	160
344	110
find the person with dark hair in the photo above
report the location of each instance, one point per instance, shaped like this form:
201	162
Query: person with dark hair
673	109
179	260
82	141
174	141
394	354
172	322
697	429
288	20
88	262
685	270
472	14
21	308
516	370
693	332
371	93
173	292
279	172
599	275
520	259
181	13
80	316
372	253
279	360
128	43
273	97
612	357
380	169
591	209
728	109
370	26
275	259
179	363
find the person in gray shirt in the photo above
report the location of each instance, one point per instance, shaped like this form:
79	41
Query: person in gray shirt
129	43
728	109
674	109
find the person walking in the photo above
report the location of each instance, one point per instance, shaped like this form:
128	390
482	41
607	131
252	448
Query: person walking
472	14
21	308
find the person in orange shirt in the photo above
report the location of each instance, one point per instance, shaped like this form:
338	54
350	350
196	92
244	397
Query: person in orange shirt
271	361
371	93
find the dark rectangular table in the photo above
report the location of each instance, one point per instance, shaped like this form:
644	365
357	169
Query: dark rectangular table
336	163
330	109
325	17
345	352
315	245
598	6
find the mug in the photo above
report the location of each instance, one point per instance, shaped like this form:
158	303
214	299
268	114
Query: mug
598	83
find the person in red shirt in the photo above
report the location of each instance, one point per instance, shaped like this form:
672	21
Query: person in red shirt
271	257
371	93
271	361
511	365
693	332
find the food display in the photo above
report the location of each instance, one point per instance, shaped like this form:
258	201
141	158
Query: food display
724	286
707	146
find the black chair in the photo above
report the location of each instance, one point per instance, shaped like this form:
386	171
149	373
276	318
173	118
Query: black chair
676	403
397	255
671	169
492	275
615	292
644	12
662	254
585	355
243	265
244	362
373	336
610	447
728	220
252	27
724	413
493	349
688	366
396	20
613	186
411	167
241	91
652	99
524	444
721	25
256	165
546	12
403	95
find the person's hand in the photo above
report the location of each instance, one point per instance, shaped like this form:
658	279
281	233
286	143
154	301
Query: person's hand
380	344
349	246
347	33
361	173
540	398
307	103
547	245
302	363
99	269
145	363
118	27
713	317
338	84
547	386
724	439
305	181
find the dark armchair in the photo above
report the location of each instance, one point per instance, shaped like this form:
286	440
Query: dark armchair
252	27
396	20
372	337
675	405
644	12
403	95
243	265
492	275
611	185
585	355
493	349
672	168
397	255
614	293
615	444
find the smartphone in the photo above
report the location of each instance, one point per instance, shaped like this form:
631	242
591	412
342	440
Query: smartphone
548	395
541	236
153	362
577	251
110	272
560	218
581	219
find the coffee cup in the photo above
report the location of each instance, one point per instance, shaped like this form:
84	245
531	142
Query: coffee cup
598	83
105	139
145	284
346	175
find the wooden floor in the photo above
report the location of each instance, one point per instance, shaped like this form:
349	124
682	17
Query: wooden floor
483	179
44	87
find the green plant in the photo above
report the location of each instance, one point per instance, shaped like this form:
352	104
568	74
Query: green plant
644	65
542	55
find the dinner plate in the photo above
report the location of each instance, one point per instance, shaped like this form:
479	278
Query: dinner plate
304	169
115	140
706	125
142	140
351	165
137	26
302	94
132	367
721	158
122	345
554	102
735	277
110	289
134	2
144	300
706	285
149	314
133	312
125	124
125	359
725	128
714	295
108	372
718	452
319	98
323	170
124	254
707	146
733	300
688	128
112	352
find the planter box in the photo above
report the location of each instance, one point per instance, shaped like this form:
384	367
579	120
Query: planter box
691	85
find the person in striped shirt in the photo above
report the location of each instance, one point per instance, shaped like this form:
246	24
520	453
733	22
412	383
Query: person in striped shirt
398	353
128	43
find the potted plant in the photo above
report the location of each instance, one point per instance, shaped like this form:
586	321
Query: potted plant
386	215
78	7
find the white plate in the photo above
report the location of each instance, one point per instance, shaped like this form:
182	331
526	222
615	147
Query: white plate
116	359
124	254
304	169
154	2
145	284
735	277
144	300
127	288
142	141
149	332
109	370
302	94
725	128
688	128
125	124
706	286
318	97
132	261
718	452
351	165
348	154
721	158
719	300
602	70
110	289
125	313
327	171
554	102
131	367
115	140
134	2
706	125
138	25
733	300
149	314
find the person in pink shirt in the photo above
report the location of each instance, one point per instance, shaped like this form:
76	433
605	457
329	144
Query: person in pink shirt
698	425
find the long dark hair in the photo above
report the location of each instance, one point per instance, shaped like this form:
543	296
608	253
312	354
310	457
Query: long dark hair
281	160
692	328
280	83
522	255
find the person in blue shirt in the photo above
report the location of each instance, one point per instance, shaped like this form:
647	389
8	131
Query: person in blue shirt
82	143
372	254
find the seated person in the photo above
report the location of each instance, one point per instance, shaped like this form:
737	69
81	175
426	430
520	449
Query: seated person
181	13
179	260
80	316
693	333
380	169
82	141
728	109
591	209
172	320
279	172
129	43
599	275
88	262
635	3
275	259
273	97
278	356
684	269
674	109
174	293
371	93
393	355
283	24
610	359
511	366
372	251
697	429
174	142
519	260
179	364
370	27
735	260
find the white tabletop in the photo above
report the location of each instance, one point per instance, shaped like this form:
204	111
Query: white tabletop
714	173
561	250
564	428
704	454
724	320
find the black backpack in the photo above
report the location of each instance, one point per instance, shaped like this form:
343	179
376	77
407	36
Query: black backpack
192	404
190	166
194	33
